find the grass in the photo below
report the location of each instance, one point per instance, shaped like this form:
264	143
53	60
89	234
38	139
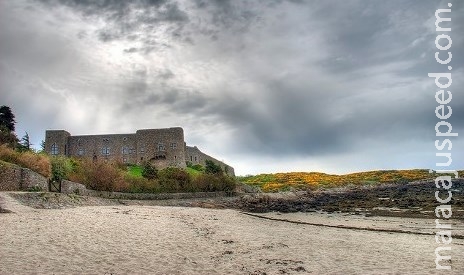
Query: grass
135	170
193	172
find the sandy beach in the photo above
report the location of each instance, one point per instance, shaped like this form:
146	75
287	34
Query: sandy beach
119	239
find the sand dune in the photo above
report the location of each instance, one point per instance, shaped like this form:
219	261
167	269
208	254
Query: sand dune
179	240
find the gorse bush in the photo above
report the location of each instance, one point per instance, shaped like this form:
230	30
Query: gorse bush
314	180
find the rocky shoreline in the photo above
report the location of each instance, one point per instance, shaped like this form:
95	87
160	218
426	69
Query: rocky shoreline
416	199
401	200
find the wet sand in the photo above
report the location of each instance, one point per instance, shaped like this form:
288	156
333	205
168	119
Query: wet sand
181	240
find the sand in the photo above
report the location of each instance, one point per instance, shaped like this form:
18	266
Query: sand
181	240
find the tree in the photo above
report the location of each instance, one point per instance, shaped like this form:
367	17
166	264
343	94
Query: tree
7	118
212	168
42	146
7	126
7	137
25	143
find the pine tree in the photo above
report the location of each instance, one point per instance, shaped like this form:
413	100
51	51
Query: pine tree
7	126
25	143
7	118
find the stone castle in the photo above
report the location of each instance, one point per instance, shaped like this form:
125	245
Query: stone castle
162	147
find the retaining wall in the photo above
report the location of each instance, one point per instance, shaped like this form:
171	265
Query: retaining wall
15	178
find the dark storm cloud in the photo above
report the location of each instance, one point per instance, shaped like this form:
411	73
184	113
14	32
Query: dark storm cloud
303	119
129	20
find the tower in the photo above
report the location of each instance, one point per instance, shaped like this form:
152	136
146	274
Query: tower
57	142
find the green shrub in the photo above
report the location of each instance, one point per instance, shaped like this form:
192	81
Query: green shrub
62	167
173	179
141	185
149	171
212	168
212	183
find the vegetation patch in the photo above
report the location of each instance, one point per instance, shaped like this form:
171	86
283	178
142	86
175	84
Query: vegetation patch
314	180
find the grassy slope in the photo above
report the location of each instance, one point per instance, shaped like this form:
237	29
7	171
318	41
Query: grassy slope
136	171
313	180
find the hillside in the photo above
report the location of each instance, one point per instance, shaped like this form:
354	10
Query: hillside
315	180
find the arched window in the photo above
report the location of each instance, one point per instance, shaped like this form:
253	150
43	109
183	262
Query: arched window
55	149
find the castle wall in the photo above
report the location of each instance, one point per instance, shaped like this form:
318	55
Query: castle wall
116	147
162	147
195	156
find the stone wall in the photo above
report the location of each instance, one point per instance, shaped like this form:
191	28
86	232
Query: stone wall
15	178
32	180
10	177
119	147
195	156
69	187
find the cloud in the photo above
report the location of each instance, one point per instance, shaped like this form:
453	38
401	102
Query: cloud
336	84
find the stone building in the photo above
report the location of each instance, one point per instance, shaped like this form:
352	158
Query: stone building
162	147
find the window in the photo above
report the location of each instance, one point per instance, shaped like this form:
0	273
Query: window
125	150
81	152
161	147
142	150
55	149
195	158
191	158
106	139
124	139
105	151
173	145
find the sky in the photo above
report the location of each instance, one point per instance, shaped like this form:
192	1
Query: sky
266	86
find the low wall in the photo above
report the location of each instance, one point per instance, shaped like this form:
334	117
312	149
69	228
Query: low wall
15	178
69	187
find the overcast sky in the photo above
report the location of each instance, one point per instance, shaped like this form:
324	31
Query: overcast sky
266	86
